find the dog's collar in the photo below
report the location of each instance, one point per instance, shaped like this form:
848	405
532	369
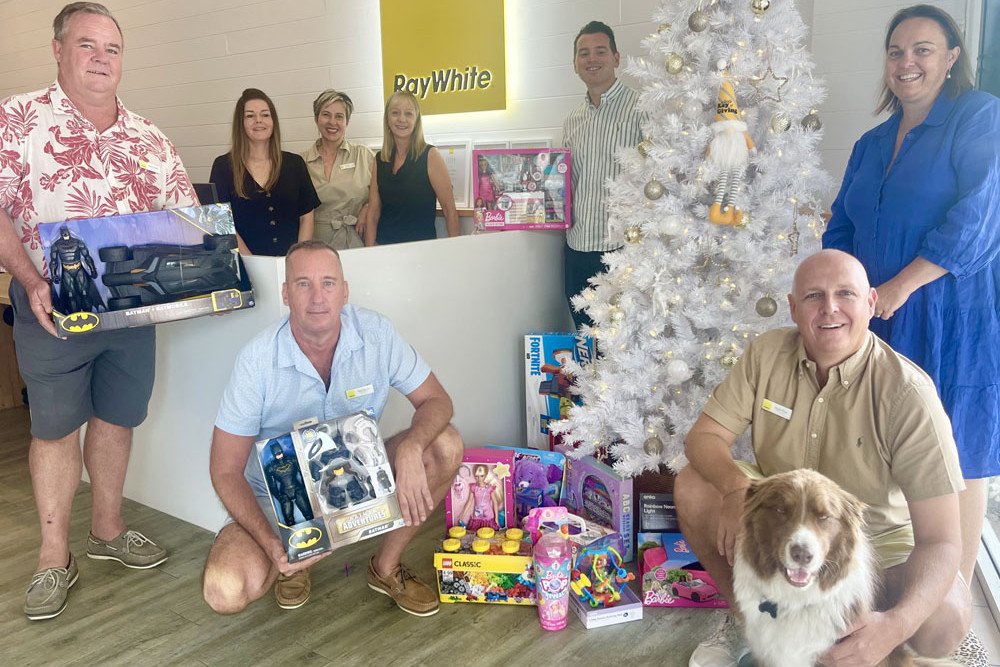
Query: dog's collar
768	607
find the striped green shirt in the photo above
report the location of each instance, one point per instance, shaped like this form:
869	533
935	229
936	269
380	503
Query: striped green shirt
594	135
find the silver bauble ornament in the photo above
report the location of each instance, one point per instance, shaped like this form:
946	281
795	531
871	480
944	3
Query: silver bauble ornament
674	63
633	233
758	7
729	359
677	370
780	122
653	446
653	190
615	300
811	121
766	306
698	21
616	314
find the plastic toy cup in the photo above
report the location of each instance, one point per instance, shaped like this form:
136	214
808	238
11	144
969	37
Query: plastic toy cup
552	573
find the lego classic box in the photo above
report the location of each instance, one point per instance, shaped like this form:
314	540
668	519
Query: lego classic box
330	484
144	268
547	384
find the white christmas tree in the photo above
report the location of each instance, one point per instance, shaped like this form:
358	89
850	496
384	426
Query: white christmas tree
716	208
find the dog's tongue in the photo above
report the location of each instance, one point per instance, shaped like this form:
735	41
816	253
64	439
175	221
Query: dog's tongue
799	577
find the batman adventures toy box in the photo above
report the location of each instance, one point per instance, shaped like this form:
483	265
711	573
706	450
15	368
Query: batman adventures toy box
330	484
548	395
143	268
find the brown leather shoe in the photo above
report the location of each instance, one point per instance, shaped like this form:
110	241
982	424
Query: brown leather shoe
292	591
409	593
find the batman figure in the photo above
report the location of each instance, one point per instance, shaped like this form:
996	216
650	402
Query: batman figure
285	483
73	270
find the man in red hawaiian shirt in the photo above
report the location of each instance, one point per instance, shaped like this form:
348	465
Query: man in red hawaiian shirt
72	150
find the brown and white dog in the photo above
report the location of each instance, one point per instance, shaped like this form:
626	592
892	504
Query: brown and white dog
804	570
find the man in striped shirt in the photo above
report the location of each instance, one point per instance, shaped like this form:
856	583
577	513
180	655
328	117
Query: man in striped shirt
605	121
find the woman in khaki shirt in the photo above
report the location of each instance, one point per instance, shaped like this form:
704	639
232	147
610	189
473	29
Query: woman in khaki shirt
341	172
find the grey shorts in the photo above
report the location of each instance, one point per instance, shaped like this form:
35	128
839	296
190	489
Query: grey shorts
108	375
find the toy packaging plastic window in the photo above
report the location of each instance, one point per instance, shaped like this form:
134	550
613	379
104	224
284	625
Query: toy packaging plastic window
521	188
482	494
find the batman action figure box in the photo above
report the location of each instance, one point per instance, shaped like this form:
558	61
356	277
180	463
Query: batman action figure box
143	268
330	484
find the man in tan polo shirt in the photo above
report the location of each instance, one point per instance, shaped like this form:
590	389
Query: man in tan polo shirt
829	395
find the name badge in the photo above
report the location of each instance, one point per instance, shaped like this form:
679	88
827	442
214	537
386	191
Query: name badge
776	409
150	166
360	391
347	165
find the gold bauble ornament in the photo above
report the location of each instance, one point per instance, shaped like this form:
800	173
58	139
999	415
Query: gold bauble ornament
644	146
633	233
653	446
674	63
758	7
663	27
780	122
729	359
811	121
653	190
698	21
616	314
615	300
766	306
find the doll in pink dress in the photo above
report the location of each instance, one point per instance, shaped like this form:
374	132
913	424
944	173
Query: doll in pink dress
483	502
488	185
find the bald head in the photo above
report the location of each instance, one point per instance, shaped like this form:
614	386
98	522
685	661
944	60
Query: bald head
831	304
830	261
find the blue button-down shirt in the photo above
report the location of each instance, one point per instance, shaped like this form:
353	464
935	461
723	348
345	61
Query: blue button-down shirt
274	385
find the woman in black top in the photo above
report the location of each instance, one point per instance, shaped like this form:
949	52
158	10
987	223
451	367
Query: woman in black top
409	176
271	194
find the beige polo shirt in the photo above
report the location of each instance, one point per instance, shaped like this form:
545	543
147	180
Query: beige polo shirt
346	191
877	428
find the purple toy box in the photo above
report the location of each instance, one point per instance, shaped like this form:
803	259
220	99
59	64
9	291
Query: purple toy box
521	188
599	494
538	479
482	494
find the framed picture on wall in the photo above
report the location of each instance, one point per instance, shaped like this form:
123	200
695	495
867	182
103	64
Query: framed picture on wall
521	189
456	158
521	144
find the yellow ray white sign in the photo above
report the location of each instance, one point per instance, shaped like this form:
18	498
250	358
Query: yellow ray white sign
448	53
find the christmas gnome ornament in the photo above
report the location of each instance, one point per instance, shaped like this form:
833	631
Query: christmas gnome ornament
729	150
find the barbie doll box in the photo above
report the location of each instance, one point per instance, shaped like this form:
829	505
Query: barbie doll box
144	268
548	383
521	188
330	484
482	495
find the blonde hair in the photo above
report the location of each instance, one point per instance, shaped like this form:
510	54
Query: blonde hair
328	97
417	143
240	150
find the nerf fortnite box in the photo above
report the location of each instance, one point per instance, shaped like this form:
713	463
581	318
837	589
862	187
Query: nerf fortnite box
547	384
521	188
486	567
482	495
672	576
143	268
599	494
538	479
330	484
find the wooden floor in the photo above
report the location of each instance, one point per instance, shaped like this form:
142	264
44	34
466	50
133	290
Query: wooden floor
118	616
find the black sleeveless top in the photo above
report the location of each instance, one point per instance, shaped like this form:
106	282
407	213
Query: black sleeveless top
408	201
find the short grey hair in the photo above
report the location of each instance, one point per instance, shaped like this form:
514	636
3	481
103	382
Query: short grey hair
62	18
328	97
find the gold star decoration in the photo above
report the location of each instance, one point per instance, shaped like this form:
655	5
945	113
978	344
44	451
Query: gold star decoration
768	85
501	470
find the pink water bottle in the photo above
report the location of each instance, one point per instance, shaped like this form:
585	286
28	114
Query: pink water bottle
552	572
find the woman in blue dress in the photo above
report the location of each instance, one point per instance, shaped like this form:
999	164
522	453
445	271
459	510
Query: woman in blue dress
920	207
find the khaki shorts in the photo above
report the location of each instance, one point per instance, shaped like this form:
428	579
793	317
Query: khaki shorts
892	547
